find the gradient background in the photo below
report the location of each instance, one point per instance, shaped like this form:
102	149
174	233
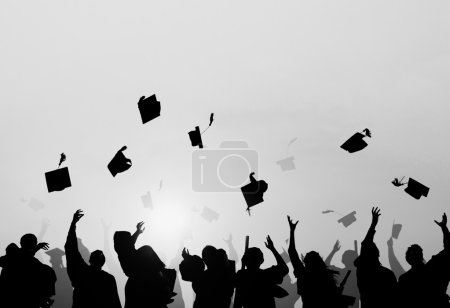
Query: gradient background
72	73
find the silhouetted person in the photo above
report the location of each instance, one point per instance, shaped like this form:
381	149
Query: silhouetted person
112	263
348	259
92	287
377	284
316	283
63	287
256	287
395	265
148	283
29	283
214	286
425	284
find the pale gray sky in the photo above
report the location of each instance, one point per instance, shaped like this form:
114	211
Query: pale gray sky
72	73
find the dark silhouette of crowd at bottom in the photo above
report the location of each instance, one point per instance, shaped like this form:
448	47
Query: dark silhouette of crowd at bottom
27	283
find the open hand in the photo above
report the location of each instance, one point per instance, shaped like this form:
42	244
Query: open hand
375	214
43	245
337	246
292	225
269	243
140	227
443	223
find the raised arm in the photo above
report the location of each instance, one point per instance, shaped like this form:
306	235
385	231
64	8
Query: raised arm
443	225
371	232
335	249
293	254
231	250
139	230
395	265
281	265
75	262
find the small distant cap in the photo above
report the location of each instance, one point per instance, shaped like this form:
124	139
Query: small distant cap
58	179
347	220
416	189
396	228
355	143
55	253
196	137
35	204
209	215
119	163
149	108
147	200
287	163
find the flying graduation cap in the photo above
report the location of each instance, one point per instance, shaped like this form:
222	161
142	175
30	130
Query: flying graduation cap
58	179
209	214
287	163
345	220
149	108
254	192
147	200
356	143
396	228
55	254
416	189
119	163
196	136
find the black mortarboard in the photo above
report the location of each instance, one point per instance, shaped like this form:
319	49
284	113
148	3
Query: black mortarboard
209	214
347	220
150	108
196	138
416	189
147	200
119	163
287	163
58	179
35	204
253	192
356	143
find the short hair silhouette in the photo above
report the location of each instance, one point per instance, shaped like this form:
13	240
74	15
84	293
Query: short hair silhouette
97	259
414	255
349	257
28	241
253	257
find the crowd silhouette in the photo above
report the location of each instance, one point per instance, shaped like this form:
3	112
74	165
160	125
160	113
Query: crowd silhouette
363	281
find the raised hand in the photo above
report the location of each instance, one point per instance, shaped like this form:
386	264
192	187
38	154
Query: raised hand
375	215
269	243
185	253
443	223
140	227
390	242
337	246
77	216
292	225
43	245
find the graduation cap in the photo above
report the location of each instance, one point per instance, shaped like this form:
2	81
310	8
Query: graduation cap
147	200
254	192
356	143
287	163
55	254
58	179
396	228
119	163
397	183
416	189
348	219
209	214
35	204
196	137
150	108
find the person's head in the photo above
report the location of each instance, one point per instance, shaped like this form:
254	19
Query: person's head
148	259
11	249
349	257
414	255
97	259
209	256
28	242
253	258
313	261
